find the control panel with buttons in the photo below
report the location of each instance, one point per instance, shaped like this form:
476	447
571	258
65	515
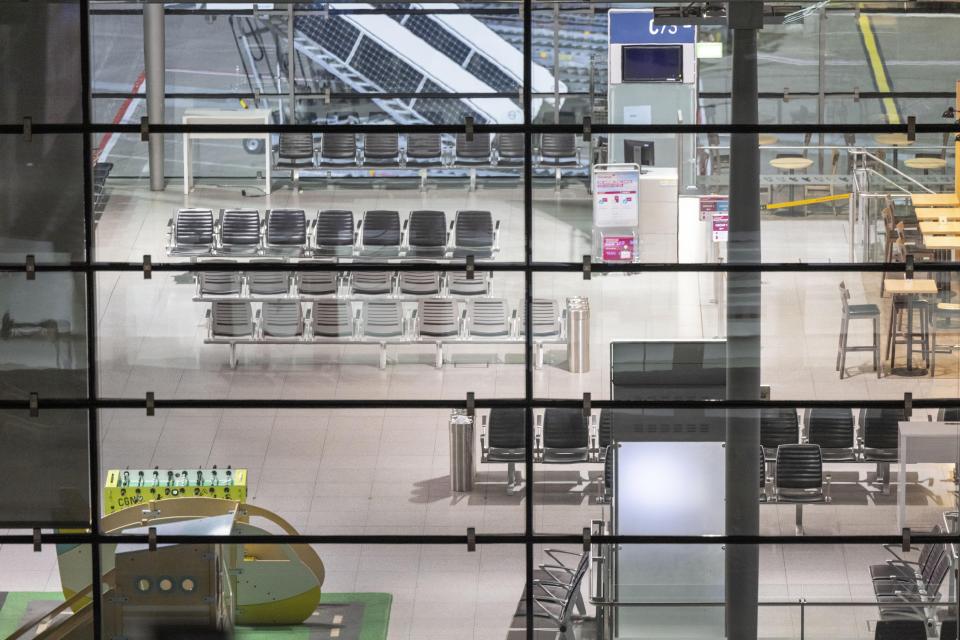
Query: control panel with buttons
128	487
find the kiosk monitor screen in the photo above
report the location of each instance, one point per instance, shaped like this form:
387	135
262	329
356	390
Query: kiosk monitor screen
653	64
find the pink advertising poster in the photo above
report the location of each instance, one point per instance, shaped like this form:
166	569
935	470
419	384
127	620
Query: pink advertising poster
618	248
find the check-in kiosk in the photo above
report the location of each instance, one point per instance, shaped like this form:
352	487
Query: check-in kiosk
668	479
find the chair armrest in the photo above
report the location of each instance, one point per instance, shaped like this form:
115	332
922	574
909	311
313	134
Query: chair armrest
514	324
563	324
356	324
414	328
496	236
463	323
403	233
309	312
827	497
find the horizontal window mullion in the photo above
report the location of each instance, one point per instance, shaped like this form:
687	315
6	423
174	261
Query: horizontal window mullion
55	404
40	128
480	538
535	267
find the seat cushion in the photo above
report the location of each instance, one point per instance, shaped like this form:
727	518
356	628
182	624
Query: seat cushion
864	310
892	572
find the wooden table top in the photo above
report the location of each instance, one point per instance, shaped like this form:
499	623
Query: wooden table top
937	213
941	242
791	164
925	163
767	138
935	227
902	286
893	139
935	199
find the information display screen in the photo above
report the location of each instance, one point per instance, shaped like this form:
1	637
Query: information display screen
653	64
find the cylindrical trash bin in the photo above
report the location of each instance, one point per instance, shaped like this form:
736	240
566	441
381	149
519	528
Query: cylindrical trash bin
578	334
461	451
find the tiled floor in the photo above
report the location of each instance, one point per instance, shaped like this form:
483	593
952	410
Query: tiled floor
385	471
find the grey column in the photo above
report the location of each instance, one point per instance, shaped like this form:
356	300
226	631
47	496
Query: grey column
154	64
291	58
743	329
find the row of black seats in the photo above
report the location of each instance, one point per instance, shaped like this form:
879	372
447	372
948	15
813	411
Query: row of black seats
298	151
333	233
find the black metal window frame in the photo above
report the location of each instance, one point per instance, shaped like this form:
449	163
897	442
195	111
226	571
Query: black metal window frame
529	538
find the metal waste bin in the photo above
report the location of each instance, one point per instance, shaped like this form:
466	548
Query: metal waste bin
578	334
461	451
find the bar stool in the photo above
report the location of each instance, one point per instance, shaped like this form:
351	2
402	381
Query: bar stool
942	311
857	312
899	307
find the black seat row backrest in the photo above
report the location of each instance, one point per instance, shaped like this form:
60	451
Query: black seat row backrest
799	466
779	426
830	428
881	428
565	428
506	428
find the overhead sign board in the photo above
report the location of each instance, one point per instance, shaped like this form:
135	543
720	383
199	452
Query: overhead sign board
637	27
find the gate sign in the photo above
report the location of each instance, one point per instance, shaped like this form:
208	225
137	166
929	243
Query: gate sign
637	27
615	196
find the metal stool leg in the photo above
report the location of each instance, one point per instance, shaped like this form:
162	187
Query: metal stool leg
843	351
876	346
840	343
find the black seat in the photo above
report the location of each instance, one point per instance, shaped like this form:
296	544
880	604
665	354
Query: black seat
509	148
880	434
948	630
239	230
503	439
333	233
900	630
833	431
286	229
295	151
381	149
474	233
558	149
193	232
949	414
426	233
338	149
424	149
799	477
566	436
778	426
476	151
381	233
899	570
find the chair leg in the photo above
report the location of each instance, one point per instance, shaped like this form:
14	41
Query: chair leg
233	355
933	346
438	360
798	511
840	345
383	355
843	349
511	478
876	346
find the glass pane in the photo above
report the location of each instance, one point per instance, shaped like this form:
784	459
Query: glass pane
45	591
44	459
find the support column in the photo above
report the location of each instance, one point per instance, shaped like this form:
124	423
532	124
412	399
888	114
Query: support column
154	64
291	59
743	329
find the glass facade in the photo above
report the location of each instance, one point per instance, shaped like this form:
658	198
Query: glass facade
428	320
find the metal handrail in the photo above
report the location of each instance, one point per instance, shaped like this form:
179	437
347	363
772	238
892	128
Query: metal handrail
863	151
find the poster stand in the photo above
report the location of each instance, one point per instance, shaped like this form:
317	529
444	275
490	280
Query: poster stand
616	212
